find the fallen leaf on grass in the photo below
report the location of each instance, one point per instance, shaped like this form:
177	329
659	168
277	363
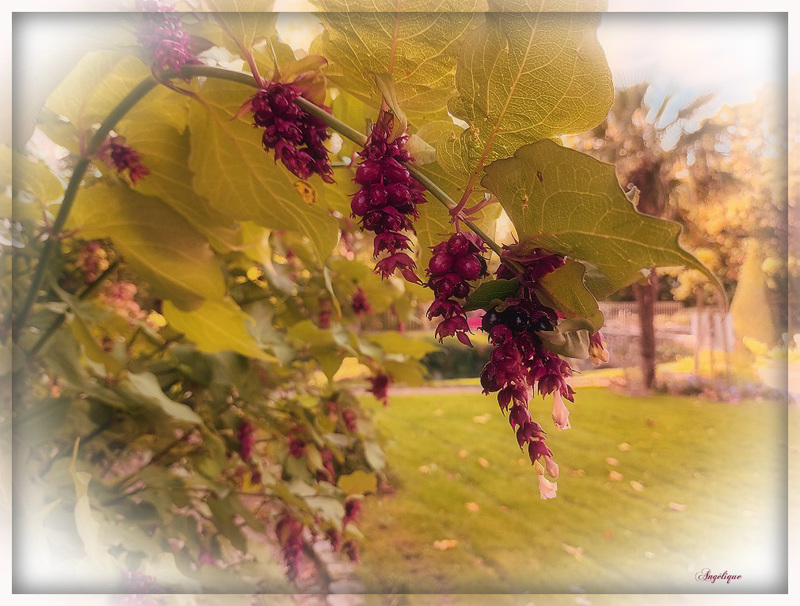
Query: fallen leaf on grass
444	544
615	476
575	552
463	454
612	461
438	412
483	462
424	469
637	486
624	447
676	506
482	419
473	507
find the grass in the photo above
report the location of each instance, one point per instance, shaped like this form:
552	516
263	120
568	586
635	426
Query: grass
711	494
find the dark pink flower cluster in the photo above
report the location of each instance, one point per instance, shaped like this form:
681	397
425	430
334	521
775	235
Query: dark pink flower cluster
297	445
352	509
163	37
519	363
298	138
135	586
115	153
379	386
328	474
92	261
290	537
350	549
387	201
360	303
454	264
246	438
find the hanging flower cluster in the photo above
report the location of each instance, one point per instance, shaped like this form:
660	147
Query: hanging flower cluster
162	35
454	264
298	138
116	154
387	201
92	261
290	537
247	440
519	362
360	303
379	387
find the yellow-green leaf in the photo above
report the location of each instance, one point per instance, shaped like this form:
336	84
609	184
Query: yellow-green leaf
165	152
241	180
158	243
358	482
416	47
565	290
569	203
101	80
218	325
529	76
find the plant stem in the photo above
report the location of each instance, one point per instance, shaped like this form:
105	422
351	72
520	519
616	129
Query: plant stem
344	130
123	107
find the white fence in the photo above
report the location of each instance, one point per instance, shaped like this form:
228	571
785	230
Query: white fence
691	326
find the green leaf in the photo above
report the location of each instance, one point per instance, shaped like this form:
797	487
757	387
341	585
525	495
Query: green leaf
525	77
355	113
218	325
36	178
246	21
482	297
241	180
350	275
358	482
157	242
101	80
565	291
409	373
578	209
570	344
393	342
417	48
144	387
224	520
165	152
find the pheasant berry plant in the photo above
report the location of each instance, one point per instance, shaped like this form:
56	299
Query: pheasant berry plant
185	327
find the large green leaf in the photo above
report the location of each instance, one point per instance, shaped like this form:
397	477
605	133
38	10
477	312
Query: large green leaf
416	47
165	152
157	242
569	203
565	290
529	76
244	182
218	325
101	80
246	22
144	387
393	342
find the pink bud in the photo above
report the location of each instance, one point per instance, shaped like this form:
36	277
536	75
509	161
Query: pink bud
560	412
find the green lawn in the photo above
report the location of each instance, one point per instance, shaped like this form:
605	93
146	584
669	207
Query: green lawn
711	494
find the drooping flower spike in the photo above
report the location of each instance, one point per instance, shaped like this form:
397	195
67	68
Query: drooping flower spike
114	152
453	265
161	34
386	203
297	138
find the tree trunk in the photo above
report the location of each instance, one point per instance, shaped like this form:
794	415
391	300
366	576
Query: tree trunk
645	300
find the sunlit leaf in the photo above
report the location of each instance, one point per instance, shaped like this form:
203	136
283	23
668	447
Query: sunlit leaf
218	325
165	152
358	482
525	77
157	242
417	48
241	180
577	208
564	290
483	295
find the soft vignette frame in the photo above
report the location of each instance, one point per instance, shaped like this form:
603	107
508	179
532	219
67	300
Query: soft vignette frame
793	528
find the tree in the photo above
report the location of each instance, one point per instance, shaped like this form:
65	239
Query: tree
655	156
183	307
